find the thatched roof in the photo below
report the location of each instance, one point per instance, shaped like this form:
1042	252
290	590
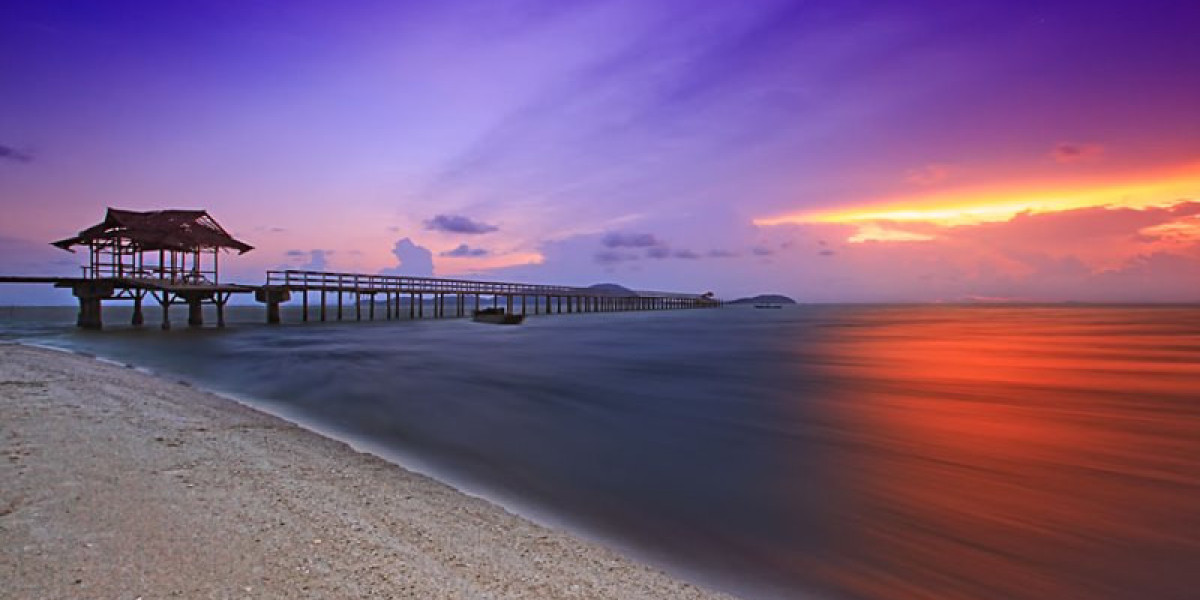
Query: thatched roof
184	230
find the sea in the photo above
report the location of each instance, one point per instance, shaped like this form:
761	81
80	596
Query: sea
815	451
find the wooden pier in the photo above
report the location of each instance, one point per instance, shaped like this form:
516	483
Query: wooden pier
163	255
323	296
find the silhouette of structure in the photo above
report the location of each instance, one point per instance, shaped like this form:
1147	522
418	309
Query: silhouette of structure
173	256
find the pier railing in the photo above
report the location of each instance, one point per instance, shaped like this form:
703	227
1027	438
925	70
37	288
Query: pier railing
367	284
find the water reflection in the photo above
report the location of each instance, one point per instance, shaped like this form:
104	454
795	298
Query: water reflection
887	453
1030	454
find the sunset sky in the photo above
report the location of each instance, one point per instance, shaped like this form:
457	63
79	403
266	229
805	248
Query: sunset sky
832	151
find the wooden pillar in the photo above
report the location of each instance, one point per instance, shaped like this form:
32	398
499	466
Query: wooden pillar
371	308
196	311
323	304
412	306
523	303
138	317
221	309
339	310
420	306
387	299
89	313
304	305
166	310
508	304
476	302
357	305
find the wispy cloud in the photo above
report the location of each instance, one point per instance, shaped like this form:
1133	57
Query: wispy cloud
459	224
928	175
1073	153
463	251
629	240
14	155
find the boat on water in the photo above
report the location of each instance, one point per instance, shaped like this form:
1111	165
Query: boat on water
768	306
496	316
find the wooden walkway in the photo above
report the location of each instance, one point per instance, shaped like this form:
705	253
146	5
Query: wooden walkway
327	296
450	297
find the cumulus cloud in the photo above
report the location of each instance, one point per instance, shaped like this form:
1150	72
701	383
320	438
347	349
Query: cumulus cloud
413	259
1072	153
459	224
14	155
630	240
464	250
314	260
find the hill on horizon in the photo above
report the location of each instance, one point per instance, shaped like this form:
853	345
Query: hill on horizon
764	299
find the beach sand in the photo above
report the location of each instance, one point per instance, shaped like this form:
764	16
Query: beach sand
117	484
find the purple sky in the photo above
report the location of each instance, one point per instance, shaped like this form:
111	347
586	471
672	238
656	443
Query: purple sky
833	151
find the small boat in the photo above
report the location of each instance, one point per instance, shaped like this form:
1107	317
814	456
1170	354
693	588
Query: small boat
768	306
496	316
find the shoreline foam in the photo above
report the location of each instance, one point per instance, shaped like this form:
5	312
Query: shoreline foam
119	483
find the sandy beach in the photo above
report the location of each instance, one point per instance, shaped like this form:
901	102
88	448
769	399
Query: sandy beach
117	484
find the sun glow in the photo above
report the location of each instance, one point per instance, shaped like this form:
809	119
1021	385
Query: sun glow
1003	202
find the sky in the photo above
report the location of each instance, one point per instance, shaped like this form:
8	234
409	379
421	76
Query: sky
831	151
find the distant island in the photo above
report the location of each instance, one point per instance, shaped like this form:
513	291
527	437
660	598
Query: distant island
764	299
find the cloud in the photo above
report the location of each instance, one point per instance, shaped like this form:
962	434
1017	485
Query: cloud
658	252
1072	153
10	153
826	252
686	254
928	174
317	259
459	224
610	257
464	250
721	253
762	251
413	259
630	240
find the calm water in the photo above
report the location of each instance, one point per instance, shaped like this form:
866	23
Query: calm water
841	452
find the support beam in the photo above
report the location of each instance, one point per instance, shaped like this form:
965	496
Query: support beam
138	318
196	311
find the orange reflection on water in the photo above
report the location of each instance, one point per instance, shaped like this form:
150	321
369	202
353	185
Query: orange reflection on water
1035	453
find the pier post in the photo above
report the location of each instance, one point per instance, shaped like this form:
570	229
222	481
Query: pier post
166	311
339	308
304	305
195	312
476	302
90	294
508	304
371	308
272	297
221	309
420	306
322	304
89	313
138	318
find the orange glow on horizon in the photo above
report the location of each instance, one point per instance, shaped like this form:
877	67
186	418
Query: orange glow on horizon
1002	202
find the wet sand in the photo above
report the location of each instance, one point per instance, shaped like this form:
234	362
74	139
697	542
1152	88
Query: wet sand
116	484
